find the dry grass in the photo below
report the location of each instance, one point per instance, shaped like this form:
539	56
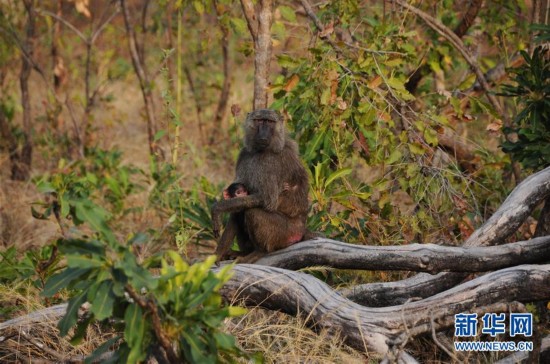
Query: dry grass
40	341
17	226
284	339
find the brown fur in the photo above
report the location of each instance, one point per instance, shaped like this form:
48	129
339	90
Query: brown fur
273	215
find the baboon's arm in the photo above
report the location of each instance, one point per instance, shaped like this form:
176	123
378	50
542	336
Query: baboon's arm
228	235
232	205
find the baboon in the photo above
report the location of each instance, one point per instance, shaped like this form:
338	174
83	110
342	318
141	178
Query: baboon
235	226
235	190
273	214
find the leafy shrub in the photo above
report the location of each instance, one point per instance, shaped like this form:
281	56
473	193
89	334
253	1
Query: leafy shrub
182	305
532	123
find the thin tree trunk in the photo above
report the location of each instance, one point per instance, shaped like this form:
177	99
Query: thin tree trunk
143	78
259	24
262	56
21	167
224	96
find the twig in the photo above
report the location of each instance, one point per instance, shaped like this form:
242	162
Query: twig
143	78
311	14
150	306
439	343
222	104
457	43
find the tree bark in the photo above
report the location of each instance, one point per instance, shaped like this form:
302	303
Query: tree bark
224	95
143	77
382	330
543	223
367	328
259	25
21	166
429	258
504	222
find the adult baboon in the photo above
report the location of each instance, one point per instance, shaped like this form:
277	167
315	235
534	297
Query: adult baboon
274	211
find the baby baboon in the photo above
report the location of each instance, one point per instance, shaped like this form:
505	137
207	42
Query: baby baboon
235	226
274	211
235	190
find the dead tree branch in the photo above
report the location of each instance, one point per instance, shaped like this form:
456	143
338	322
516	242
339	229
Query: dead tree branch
465	23
364	328
429	258
505	221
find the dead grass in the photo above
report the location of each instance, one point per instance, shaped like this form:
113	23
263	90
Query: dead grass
284	339
40	341
17	226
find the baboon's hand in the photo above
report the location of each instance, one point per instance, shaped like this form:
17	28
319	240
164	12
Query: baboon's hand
216	230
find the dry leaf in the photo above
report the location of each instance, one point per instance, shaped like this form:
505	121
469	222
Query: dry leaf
291	83
235	110
495	126
329	29
342	105
404	202
81	6
375	82
333	90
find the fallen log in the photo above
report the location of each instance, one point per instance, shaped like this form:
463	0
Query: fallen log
370	329
378	328
413	257
504	222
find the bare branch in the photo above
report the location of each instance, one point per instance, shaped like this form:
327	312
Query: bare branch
251	18
413	257
439	27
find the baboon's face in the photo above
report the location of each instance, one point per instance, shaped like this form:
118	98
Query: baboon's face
241	192
264	130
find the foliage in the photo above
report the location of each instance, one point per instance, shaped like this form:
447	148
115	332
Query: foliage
75	189
182	303
532	123
29	267
187	209
348	107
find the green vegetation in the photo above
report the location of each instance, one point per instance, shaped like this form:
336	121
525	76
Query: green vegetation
130	147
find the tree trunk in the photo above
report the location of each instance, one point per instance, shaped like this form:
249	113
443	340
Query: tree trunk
143	77
21	165
259	24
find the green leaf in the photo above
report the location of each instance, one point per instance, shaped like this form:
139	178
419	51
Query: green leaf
102	305
235	311
239	25
336	175
71	316
196	348
225	341
80	331
62	280
134	332
287	13
81	261
159	135
82	247
199	6
394	156
102	349
95	216
139	276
